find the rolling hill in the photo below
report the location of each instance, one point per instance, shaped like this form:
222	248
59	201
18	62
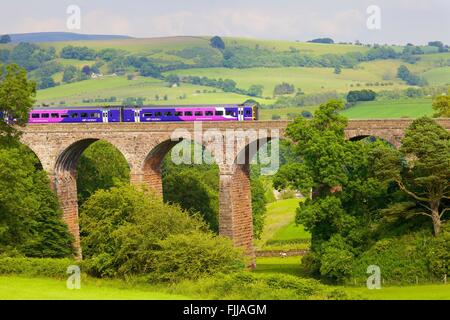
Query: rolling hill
246	62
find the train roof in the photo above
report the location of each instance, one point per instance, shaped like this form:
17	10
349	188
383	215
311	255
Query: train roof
143	107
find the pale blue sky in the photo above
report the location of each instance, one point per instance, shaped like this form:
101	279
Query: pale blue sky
416	21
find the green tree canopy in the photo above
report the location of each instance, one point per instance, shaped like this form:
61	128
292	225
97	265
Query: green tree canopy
16	97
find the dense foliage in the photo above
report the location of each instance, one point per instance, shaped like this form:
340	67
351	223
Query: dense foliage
101	166
16	98
30	219
130	231
354	206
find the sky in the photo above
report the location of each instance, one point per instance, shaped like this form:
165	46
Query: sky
400	21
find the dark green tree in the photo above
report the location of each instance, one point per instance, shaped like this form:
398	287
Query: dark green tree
16	98
421	169
217	42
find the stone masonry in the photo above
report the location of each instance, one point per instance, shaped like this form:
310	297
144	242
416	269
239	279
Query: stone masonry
144	145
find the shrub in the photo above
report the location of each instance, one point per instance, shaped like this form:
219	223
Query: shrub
246	285
128	231
403	259
33	267
196	255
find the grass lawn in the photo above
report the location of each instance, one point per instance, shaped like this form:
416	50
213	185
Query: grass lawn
421	292
412	108
15	287
288	265
280	231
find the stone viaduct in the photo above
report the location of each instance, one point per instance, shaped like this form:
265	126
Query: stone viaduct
59	146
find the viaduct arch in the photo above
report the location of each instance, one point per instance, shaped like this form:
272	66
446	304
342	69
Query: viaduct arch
144	146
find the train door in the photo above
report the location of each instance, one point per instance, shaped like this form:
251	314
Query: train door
137	117
105	116
240	114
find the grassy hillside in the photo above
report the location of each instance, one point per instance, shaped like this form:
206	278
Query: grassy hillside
194	56
310	80
412	108
121	88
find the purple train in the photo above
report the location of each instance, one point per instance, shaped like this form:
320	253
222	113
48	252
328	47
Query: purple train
229	112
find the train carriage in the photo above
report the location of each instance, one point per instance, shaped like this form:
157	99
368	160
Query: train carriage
229	112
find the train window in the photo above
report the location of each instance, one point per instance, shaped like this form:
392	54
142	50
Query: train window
208	113
230	113
64	116
178	113
248	112
158	114
168	114
199	113
219	113
148	114
188	113
84	115
35	115
45	115
95	115
55	115
74	115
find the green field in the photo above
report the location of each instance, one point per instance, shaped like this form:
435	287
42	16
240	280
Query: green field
15	287
121	88
310	80
280	230
412	108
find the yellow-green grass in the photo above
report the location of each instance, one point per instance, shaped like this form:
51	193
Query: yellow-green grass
304	47
23	288
287	265
120	87
438	76
420	292
392	109
141	45
266	114
310	80
280	231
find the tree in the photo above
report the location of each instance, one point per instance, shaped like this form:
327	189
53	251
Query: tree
46	82
441	105
421	169
345	196
16	97
30	220
5	38
337	70
70	74
322	40
86	70
101	166
361	95
217	42
255	90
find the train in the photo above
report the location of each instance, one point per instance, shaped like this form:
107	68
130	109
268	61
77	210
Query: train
150	113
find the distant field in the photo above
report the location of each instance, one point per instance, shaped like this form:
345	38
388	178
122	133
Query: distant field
266	114
310	80
413	108
303	47
120	87
437	76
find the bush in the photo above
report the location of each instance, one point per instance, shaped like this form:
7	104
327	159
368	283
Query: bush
246	285
124	232
34	267
405	260
196	255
